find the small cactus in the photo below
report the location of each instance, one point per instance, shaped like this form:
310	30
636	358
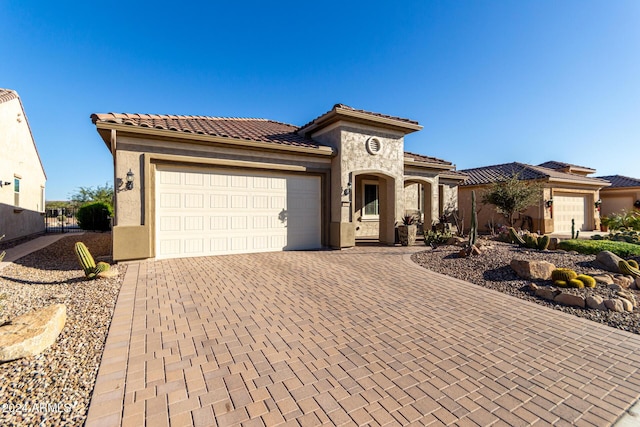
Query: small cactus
563	274
2	255
473	232
575	283
627	269
515	237
531	241
588	281
574	233
560	283
543	242
88	264
633	263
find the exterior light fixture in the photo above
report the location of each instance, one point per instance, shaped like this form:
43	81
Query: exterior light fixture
347	191
598	203
549	203
130	177
4	183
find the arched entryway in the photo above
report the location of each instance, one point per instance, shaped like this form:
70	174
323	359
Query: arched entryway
419	201
373	207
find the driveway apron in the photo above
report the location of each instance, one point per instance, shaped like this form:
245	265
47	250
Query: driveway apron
354	337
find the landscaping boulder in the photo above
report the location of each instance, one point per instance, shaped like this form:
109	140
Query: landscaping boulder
608	261
549	294
614	305
628	305
532	270
553	243
628	296
31	333
595	301
604	279
457	241
570	300
624	281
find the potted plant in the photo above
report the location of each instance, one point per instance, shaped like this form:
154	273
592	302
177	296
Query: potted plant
407	230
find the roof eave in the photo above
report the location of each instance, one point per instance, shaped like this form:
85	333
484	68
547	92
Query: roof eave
196	137
413	162
358	117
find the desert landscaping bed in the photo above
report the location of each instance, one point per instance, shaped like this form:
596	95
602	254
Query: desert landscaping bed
54	387
492	270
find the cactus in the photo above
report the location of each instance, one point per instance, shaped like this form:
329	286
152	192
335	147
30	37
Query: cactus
588	281
2	255
473	232
563	274
531	241
633	263
574	233
560	283
88	264
543	242
515	237
627	269
575	283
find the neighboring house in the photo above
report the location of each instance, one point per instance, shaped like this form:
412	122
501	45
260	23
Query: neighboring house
568	193
209	185
22	175
622	195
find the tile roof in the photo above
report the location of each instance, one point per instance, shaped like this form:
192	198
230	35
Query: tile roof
426	159
621	181
261	130
552	164
7	95
346	107
491	174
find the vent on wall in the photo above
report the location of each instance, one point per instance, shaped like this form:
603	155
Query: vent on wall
374	145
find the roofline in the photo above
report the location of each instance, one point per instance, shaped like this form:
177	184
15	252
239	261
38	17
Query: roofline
338	113
453	177
408	161
321	150
33	141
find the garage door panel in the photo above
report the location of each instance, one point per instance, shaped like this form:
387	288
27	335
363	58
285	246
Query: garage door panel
567	208
225	212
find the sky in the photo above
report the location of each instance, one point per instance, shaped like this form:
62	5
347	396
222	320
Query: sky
492	81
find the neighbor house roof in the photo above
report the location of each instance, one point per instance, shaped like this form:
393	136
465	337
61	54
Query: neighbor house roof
490	174
618	181
567	167
7	95
261	130
344	112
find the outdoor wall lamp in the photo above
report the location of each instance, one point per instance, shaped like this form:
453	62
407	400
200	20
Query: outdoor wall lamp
347	191
130	177
3	184
549	203
598	203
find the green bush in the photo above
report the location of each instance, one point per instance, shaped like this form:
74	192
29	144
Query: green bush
436	237
622	249
95	217
623	220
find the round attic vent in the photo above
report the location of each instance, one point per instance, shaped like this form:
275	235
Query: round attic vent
374	145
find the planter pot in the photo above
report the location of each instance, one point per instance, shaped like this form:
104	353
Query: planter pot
407	234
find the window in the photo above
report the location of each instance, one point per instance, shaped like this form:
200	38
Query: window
16	191
371	206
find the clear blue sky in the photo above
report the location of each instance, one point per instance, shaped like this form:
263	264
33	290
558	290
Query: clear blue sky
491	81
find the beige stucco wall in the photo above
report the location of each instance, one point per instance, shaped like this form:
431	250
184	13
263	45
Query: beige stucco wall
615	200
19	159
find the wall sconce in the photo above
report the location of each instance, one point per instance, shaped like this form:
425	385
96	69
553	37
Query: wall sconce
598	203
549	203
347	191
130	177
3	184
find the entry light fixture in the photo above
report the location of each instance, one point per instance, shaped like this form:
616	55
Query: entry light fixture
598	203
130	176
4	183
347	191
549	203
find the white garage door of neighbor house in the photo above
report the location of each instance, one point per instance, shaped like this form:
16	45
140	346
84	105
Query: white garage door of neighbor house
216	212
566	208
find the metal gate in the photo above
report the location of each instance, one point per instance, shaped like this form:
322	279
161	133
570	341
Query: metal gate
62	220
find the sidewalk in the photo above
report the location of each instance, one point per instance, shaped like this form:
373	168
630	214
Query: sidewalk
26	248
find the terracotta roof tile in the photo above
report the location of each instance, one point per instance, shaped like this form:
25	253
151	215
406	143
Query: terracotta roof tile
491	174
552	164
618	181
343	107
7	95
426	159
261	130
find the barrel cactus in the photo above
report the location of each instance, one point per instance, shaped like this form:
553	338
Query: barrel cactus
543	242
627	269
564	274
588	281
575	283
88	264
633	263
515	237
560	283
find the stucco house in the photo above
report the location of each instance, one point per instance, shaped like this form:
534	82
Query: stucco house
622	195
22	176
195	185
567	193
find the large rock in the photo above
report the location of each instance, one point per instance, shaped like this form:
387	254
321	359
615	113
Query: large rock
614	304
595	302
532	270
571	300
605	279
608	261
624	281
31	333
553	243
549	294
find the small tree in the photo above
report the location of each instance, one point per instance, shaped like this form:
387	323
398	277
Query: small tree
98	194
512	195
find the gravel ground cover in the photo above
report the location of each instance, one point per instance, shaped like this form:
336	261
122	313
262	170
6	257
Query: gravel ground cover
54	388
491	269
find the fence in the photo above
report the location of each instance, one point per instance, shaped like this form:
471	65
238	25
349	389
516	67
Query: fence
61	220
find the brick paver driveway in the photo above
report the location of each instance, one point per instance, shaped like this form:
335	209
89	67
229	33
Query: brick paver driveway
354	337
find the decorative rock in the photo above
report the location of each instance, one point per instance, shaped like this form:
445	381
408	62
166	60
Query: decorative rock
615	287
596	302
628	306
31	333
553	243
628	296
533	287
604	279
571	300
112	272
636	285
608	261
457	241
475	250
532	270
549	294
624	281
614	305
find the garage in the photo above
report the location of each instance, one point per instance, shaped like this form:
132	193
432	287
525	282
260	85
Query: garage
201	212
567	207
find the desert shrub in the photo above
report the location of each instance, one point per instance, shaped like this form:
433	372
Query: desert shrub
623	220
436	237
622	249
94	216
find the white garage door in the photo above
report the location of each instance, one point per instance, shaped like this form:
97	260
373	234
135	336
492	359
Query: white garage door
566	208
215	212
